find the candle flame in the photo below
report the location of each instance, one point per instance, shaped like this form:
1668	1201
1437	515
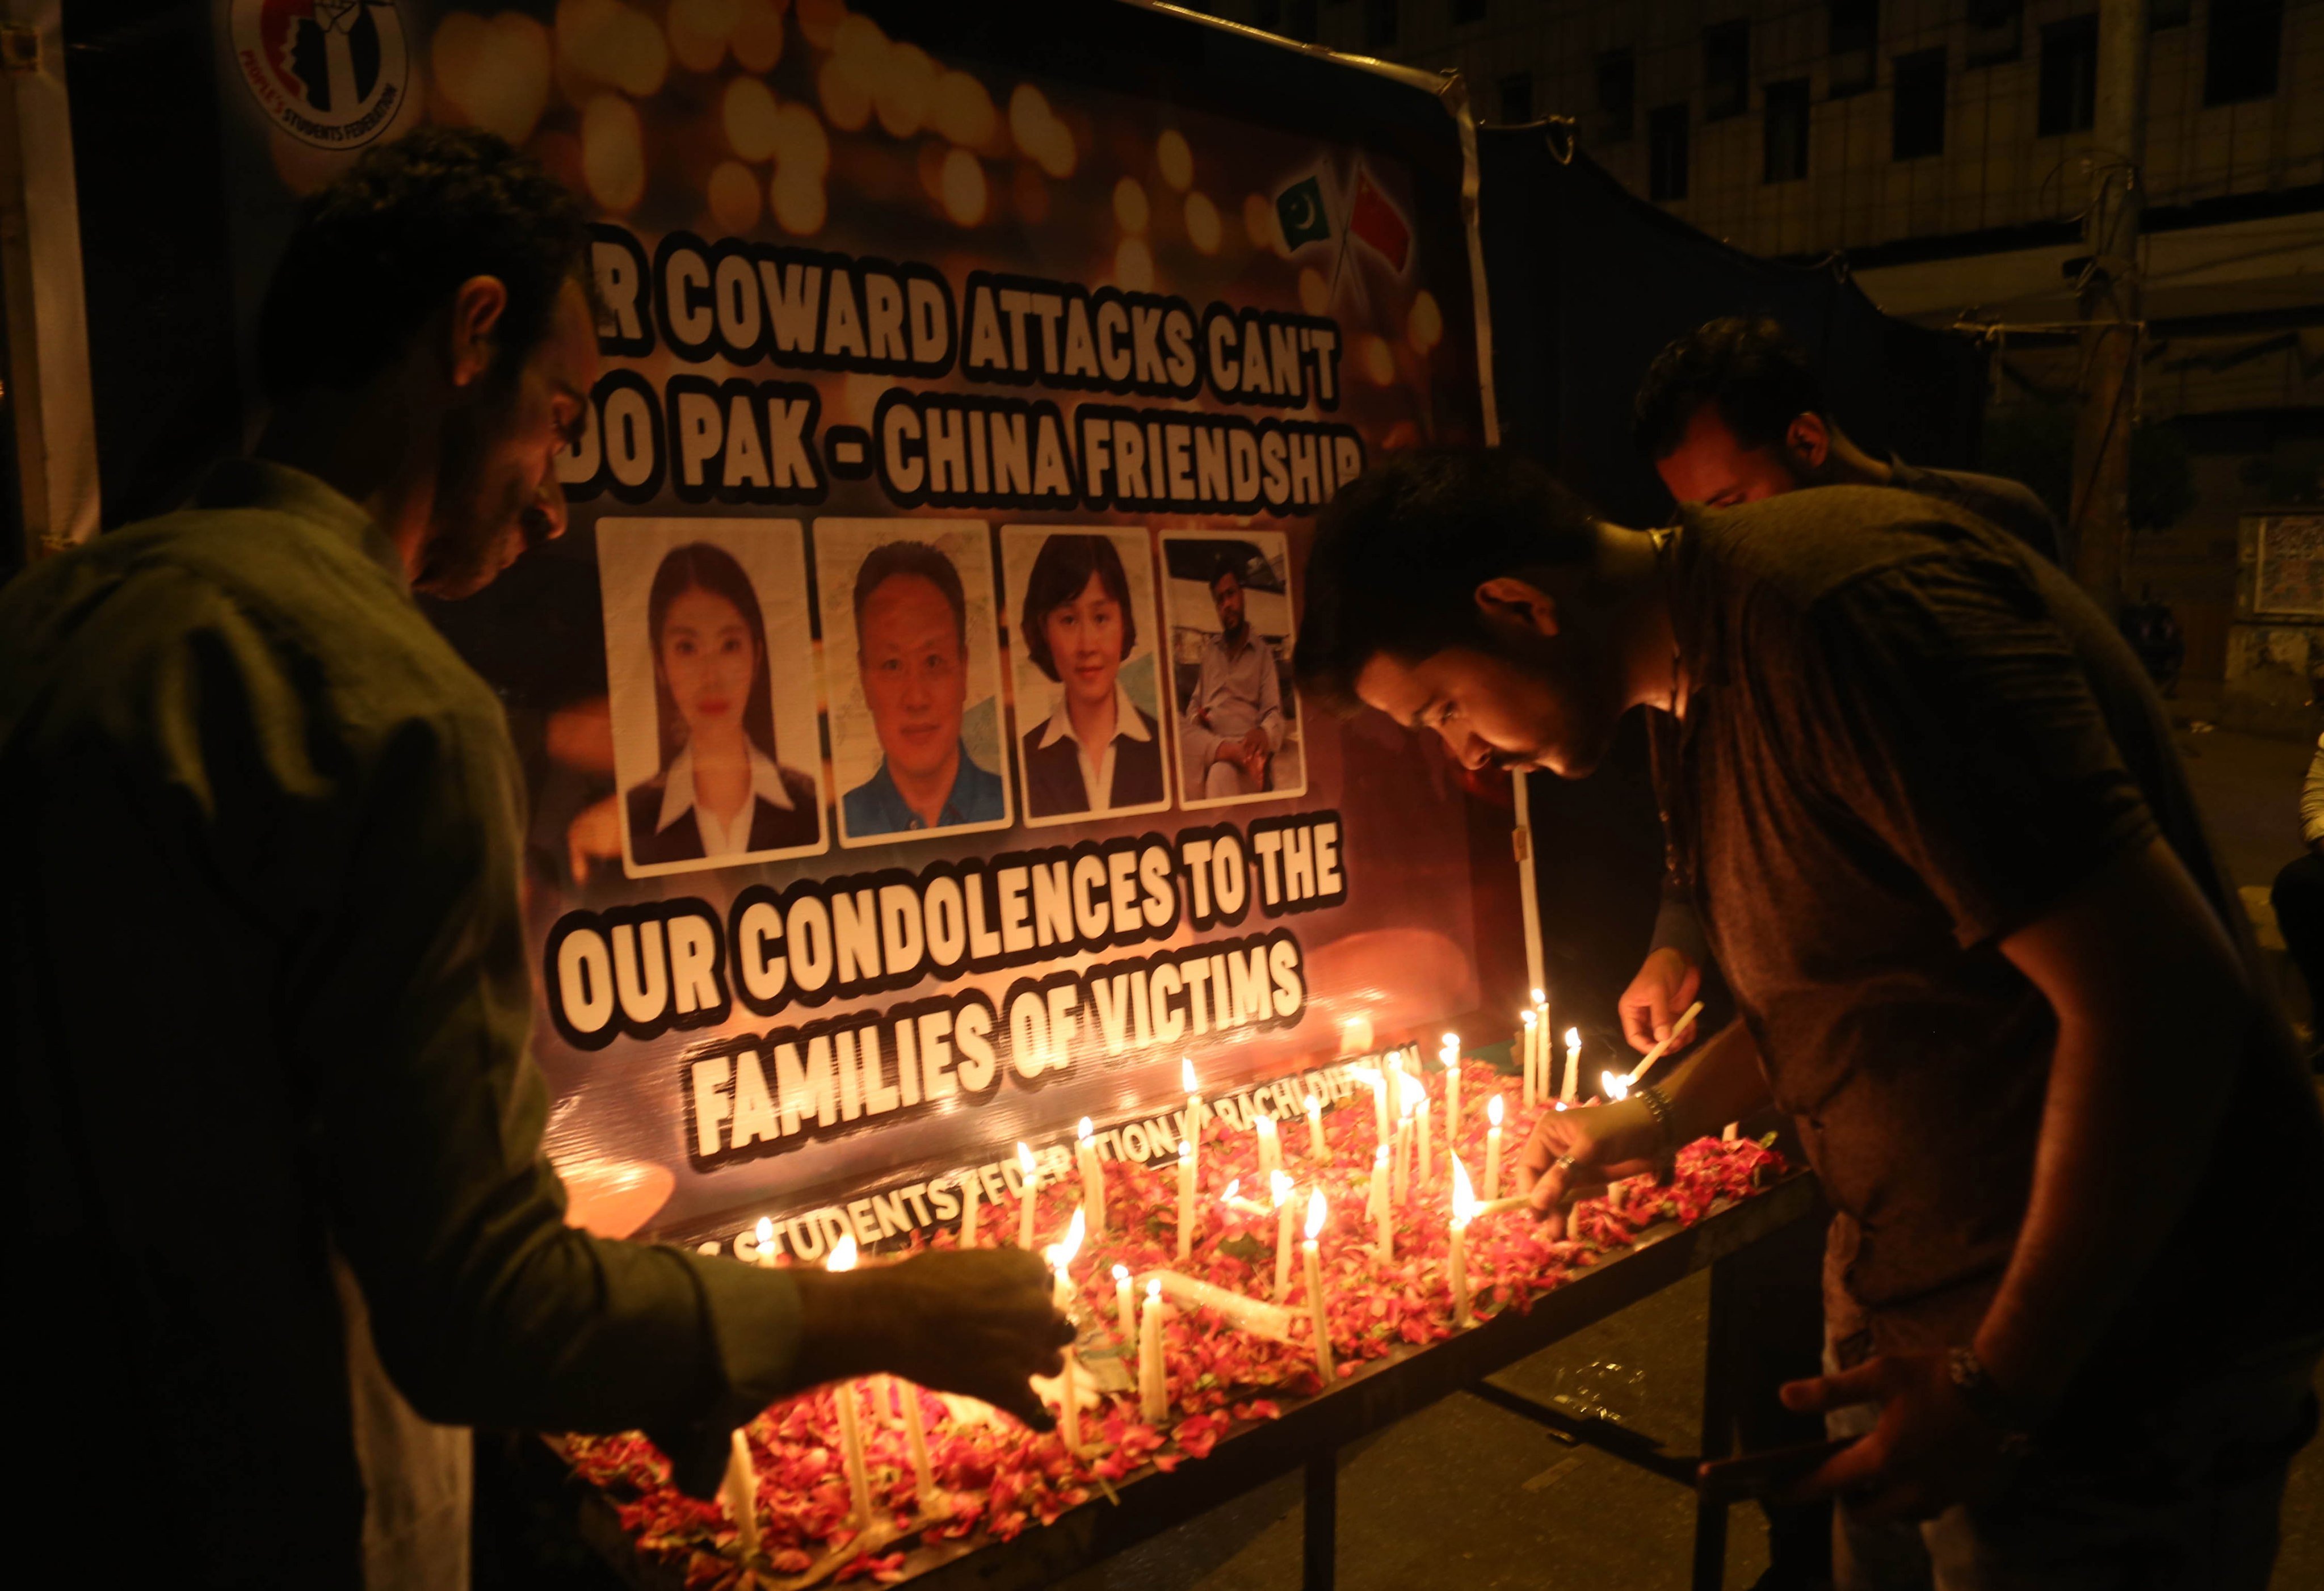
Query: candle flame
1405	1090
1317	1210
1452	1040
765	1232
1538	997
1186	1073
1614	1085
1379	1155
843	1255
1265	1125
1574	1038
1529	1019
1083	1131
1153	1293
1493	1110
1465	1198
1315	1101
1280	1187
1121	1273
1025	1158
1234	1183
1061	1254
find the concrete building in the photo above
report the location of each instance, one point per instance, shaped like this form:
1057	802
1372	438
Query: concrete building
1943	148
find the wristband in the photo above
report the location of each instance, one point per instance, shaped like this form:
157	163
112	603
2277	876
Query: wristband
1659	1107
1988	1401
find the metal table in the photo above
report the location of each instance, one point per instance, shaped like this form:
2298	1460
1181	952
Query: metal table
1311	1430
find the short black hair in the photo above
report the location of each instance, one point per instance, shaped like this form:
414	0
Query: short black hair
1401	551
703	566
1061	573
891	558
379	249
1747	364
1228	565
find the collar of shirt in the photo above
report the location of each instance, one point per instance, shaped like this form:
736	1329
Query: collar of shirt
897	815
678	796
1096	762
279	488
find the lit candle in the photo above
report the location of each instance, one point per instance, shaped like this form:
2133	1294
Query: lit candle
1185	1204
1545	1050
739	1492
1121	1313
1270	1145
1400	1183
1069	1392
968	1202
1256	1316
1315	1126
1532	1053
1613	1086
1377	1077
916	1436
851	1432
1092	1176
1464	1206
1733	1128
1678	1030
1421	1135
1029	1184
765	1233
1232	1197
1384	1243
1280	1187
1190	1152
1153	1384
1572	1064
1323	1329
1452	1090
1493	1147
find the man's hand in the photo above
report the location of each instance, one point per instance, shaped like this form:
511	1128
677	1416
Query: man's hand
1930	1450
1606	1142
975	1321
1665	986
595	835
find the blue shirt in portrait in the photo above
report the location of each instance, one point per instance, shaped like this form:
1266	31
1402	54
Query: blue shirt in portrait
877	807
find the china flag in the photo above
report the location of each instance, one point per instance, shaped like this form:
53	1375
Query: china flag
1372	218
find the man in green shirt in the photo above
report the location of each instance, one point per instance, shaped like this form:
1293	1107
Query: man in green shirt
277	1127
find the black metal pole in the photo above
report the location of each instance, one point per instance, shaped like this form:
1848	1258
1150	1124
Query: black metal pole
1718	1367
1322	1518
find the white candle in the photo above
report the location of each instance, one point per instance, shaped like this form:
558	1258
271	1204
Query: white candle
1464	1210
1321	1319
739	1491
1384	1244
1279	1188
1232	1197
1423	1136
1029	1183
1529	1037
1495	1206
1060	1255
1092	1176
1452	1091
851	1432
968	1186
1270	1145
1733	1128
1153	1381
1377	1079
1255	1316
1400	1180
1493	1147
1572	1065
1186	1205
765	1233
1190	1160
1316	1127
916	1434
1121	1311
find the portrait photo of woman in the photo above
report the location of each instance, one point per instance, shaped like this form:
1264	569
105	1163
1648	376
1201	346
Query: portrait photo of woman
721	792
1095	750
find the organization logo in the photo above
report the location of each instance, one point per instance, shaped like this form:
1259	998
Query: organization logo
330	73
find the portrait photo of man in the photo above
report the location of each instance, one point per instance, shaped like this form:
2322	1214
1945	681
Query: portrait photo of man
1228	599
1089	696
916	721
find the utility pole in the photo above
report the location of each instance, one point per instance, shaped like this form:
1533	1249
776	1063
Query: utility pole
2109	293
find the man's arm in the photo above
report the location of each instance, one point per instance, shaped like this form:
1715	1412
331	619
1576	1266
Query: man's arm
1201	743
1270	696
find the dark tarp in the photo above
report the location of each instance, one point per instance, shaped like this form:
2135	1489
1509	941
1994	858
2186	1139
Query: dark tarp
1587	283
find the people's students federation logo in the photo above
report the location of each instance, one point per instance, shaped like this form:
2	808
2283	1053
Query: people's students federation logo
330	72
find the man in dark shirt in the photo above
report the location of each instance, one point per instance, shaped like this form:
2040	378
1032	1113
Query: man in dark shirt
1928	807
276	1125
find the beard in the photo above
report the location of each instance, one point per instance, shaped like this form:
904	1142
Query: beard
475	514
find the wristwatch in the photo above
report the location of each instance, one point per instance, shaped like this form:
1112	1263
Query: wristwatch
1657	1105
1988	1401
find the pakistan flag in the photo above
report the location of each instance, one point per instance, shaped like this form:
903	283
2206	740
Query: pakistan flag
1299	210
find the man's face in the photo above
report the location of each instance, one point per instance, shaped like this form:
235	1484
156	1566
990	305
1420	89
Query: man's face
1532	702
496	486
915	678
1227	592
1710	466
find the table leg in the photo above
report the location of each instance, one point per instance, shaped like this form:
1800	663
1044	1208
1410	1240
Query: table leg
1323	1520
1718	1373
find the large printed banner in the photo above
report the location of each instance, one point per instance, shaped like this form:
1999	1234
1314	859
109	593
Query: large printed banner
915	763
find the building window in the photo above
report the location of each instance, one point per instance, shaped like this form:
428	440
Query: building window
1855	33
1517	97
1786	156
1726	70
1996	31
1667	154
2069	76
1618	89
1379	24
1468	11
1919	126
2241	54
